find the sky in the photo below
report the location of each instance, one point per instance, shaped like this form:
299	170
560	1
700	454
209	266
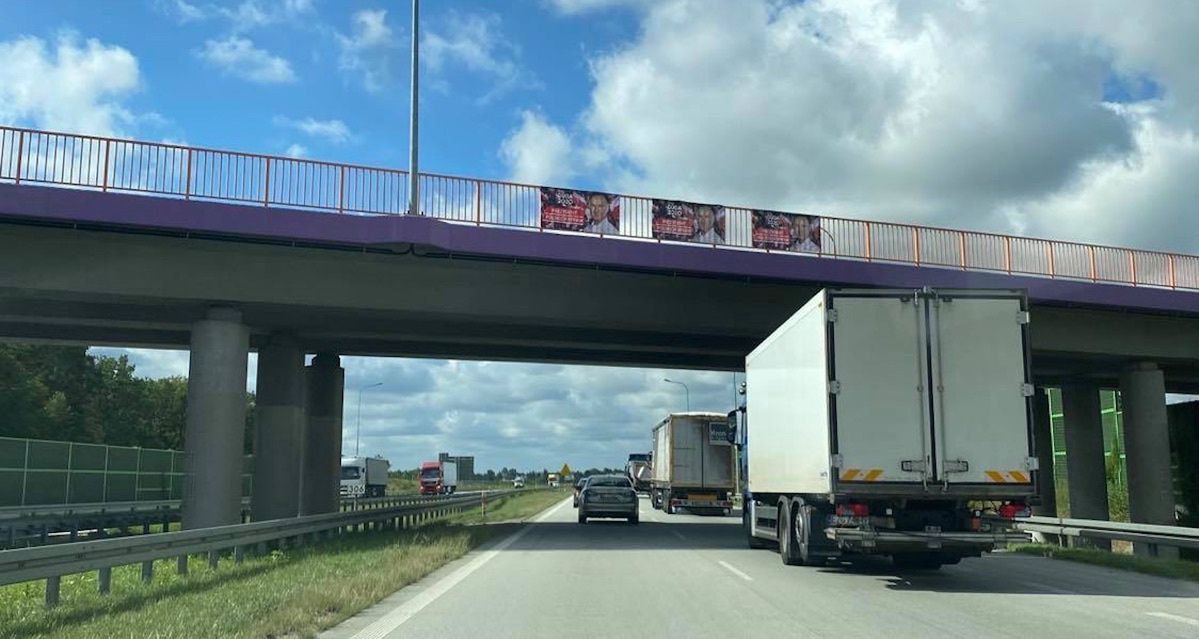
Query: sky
1073	120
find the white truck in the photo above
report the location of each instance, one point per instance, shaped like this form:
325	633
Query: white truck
890	422
694	464
364	476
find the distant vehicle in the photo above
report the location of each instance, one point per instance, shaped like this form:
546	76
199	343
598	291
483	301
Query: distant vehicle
639	469
608	496
553	480
579	485
438	478
364	476
519	482
879	420
694	464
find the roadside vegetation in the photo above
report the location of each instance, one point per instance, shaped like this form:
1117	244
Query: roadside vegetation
293	592
514	509
1174	568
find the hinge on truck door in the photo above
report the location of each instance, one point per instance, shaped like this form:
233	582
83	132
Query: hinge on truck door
1028	389
1022	317
835	461
831	315
834	387
1032	463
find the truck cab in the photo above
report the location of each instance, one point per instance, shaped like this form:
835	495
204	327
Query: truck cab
438	478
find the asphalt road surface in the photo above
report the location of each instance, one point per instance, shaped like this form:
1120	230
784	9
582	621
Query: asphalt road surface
690	576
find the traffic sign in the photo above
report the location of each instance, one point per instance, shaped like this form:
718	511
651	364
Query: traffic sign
565	470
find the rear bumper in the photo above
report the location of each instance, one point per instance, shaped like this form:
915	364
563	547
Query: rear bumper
722	504
893	540
608	510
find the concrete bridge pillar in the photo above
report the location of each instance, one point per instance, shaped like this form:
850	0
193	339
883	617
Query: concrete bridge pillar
324	394
216	420
1043	440
279	440
1085	470
1147	450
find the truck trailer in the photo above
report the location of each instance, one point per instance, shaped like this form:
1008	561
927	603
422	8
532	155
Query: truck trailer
693	464
438	477
890	422
364	476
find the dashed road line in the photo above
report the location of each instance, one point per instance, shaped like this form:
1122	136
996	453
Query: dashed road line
1179	618
734	570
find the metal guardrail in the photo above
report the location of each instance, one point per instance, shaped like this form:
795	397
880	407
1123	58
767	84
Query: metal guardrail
54	561
1149	534
29	156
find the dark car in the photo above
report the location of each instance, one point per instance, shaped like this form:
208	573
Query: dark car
580	483
608	496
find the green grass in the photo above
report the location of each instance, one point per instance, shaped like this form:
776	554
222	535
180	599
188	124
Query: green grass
1174	568
289	593
516	508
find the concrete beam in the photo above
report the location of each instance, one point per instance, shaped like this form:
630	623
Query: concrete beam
216	420
1085	472
1147	444
278	442
321	470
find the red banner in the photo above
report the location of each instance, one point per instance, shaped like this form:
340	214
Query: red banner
585	211
786	232
688	222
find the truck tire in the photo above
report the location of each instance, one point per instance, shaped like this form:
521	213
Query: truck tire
754	542
788	546
667	507
803	533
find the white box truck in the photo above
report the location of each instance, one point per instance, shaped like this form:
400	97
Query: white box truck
364	476
891	422
694	464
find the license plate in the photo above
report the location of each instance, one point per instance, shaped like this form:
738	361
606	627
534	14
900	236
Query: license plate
703	498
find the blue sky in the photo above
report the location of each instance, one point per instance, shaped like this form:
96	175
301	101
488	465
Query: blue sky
1075	120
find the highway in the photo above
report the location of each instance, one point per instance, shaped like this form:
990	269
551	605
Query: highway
684	575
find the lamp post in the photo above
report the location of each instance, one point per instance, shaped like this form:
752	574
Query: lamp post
414	119
358	421
688	390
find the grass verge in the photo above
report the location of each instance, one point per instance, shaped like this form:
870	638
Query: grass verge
1173	568
517	508
290	593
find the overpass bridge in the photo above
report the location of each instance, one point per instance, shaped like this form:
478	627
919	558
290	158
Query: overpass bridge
110	241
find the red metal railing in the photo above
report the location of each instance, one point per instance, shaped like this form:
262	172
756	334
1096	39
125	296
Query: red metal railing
108	164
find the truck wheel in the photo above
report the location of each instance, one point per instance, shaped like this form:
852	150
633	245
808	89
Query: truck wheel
754	542
788	548
667	507
803	532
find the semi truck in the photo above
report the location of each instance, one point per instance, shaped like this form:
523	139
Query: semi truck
890	422
438	477
694	464
364	476
639	470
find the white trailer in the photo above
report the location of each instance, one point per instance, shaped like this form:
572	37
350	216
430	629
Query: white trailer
694	463
364	476
878	421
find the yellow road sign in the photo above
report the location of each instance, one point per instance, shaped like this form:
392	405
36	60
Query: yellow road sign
565	469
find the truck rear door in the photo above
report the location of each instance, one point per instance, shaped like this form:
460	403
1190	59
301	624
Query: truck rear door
686	452
982	393
718	457
878	386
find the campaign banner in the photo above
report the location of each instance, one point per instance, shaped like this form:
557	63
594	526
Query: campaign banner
585	211
688	222
786	232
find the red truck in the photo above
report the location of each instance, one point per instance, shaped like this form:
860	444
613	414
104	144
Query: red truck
438	478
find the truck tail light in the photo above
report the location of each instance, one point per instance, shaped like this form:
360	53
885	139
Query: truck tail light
1011	510
853	509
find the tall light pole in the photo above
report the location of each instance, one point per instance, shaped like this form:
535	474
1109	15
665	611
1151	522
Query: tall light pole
684	388
414	117
358	421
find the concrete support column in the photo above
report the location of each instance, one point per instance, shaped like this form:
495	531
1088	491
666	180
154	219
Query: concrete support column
216	420
1043	441
279	440
324	394
1085	470
1147	451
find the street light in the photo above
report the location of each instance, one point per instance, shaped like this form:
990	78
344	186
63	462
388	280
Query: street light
358	422
684	388
414	117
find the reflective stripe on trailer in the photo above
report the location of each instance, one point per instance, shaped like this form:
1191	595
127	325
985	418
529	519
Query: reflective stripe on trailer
852	474
1008	477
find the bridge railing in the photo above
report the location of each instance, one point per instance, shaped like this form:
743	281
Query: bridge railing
30	156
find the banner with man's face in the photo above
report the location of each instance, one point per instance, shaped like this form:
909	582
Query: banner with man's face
688	222
786	231
585	211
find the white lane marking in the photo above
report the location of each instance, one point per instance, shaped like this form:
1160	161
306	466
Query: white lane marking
388	623
1179	618
1053	589
734	570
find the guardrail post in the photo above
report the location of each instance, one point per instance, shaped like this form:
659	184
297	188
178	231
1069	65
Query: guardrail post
214	558
1052	264
266	184
181	565
1094	272
916	244
1173	282
148	571
1007	253
107	145
105	579
1132	266
341	189
52	590
962	249
20	159
478	204
187	190
239	554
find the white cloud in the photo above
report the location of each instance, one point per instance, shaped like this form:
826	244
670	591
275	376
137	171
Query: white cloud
182	10
366	51
334	131
239	57
68	85
538	152
296	151
476	43
962	114
252	14
571	7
